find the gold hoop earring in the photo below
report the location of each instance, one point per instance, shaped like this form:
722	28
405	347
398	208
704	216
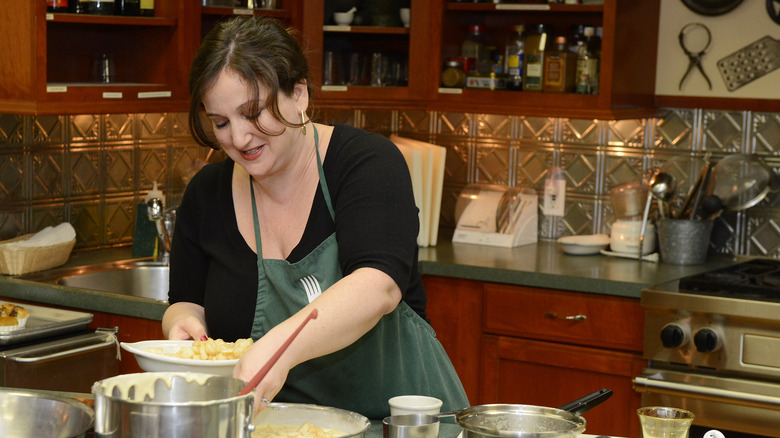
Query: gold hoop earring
303	122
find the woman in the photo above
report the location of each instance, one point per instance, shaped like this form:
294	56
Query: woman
298	208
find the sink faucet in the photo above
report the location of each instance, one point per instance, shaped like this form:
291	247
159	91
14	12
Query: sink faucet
164	219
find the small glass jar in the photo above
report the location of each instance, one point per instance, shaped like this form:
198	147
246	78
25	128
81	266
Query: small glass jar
453	75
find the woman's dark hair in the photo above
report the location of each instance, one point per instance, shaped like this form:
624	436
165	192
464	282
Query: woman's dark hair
261	51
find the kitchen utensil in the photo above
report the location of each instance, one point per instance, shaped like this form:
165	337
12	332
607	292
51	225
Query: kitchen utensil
685	170
773	9
584	244
410	426
741	181
526	421
414	404
661	184
705	183
349	424
749	63
693	199
662	187
627	199
148	360
711	7
711	206
264	370
664	422
695	56
172	405
28	414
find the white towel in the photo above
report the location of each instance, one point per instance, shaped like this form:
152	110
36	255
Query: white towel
48	236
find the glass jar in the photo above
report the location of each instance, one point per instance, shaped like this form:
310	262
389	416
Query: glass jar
453	75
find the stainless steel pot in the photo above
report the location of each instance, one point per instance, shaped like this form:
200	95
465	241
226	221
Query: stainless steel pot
350	424
32	414
172	405
527	421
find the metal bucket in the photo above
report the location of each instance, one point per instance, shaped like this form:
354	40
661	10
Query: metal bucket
172	405
31	414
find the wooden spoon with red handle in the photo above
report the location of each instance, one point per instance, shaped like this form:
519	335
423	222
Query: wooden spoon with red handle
264	370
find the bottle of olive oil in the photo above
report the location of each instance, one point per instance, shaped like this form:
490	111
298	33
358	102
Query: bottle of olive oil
535	45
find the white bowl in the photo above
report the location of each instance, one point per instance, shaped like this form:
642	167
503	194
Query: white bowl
414	404
343	18
154	362
584	245
625	237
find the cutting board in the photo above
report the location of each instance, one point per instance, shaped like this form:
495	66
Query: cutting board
433	177
414	159
433	161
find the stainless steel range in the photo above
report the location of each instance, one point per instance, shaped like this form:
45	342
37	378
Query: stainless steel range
713	345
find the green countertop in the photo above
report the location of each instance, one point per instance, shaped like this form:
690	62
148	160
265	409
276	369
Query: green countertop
543	264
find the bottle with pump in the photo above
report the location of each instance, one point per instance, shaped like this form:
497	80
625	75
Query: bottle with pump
535	45
514	58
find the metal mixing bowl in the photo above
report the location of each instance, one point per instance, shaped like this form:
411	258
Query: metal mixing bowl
31	414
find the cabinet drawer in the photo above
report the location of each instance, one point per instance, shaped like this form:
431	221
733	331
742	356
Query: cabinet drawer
572	317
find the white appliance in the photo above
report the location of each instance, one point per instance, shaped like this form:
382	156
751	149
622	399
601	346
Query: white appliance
496	215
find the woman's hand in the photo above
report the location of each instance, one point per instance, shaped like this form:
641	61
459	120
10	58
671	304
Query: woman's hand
184	321
252	361
346	311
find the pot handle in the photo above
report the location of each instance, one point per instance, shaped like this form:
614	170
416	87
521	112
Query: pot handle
584	404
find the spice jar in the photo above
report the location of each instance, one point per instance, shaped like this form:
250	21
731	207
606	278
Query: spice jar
453	75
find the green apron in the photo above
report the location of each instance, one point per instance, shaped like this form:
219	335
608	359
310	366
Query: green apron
400	355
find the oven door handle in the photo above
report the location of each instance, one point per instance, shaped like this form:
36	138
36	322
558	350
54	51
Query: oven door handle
34	359
644	384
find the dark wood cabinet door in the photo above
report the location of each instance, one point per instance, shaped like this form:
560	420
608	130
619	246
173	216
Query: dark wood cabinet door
550	374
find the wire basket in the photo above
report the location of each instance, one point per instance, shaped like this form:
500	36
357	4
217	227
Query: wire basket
16	260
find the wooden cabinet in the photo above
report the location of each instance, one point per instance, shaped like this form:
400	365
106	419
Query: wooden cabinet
404	52
131	329
627	65
50	62
289	13
515	344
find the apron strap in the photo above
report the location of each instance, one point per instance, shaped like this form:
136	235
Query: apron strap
323	183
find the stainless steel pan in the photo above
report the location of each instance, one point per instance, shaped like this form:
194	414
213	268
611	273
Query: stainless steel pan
527	421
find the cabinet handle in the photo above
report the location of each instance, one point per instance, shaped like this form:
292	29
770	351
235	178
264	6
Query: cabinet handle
580	317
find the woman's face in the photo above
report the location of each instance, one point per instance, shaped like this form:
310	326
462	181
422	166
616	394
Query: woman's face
228	105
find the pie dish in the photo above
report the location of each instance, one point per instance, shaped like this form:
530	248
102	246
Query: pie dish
156	362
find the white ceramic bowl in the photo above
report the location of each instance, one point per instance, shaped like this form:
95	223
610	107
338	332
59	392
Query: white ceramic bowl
584	245
625	237
414	404
343	18
154	362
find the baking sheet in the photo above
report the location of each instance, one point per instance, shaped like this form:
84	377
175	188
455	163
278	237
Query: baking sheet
44	322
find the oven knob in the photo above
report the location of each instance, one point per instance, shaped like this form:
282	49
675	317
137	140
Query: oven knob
706	340
674	336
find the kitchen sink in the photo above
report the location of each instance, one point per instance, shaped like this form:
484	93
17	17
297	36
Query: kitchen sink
146	279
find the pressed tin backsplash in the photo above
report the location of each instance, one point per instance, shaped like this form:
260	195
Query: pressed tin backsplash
93	170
